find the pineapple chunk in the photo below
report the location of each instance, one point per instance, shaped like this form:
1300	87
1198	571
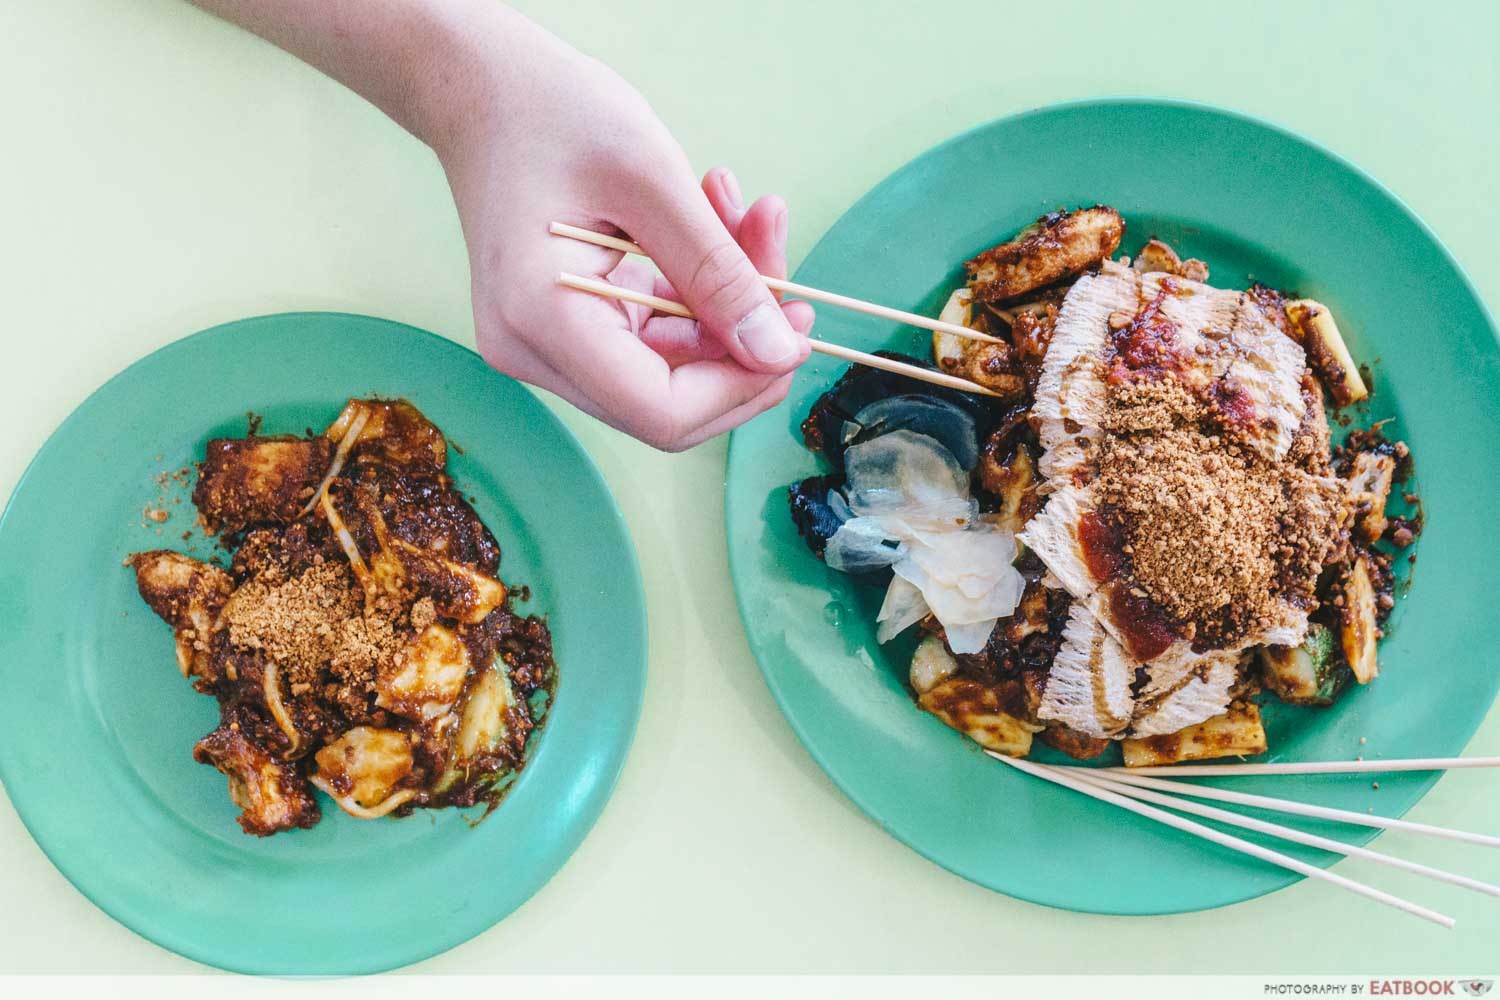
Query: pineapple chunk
948	348
1326	351
931	664
364	764
1238	732
484	725
1359	631
1312	673
989	363
489	720
426	681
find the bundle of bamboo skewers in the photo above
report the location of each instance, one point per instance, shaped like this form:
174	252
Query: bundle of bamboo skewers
1143	791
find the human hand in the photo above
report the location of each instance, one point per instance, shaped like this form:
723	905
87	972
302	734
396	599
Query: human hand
572	142
530	132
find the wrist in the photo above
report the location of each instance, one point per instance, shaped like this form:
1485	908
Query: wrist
453	80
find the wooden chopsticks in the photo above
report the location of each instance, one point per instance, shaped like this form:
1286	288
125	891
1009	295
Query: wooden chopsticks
1131	789
606	290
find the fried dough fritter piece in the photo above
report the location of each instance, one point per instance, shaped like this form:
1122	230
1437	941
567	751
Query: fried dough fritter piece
1371	475
1157	256
258	480
995	367
1054	247
273	795
188	595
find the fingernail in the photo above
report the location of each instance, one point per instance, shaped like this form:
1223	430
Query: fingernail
767	335
732	188
781	227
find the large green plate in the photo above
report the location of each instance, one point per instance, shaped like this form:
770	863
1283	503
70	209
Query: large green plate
97	727
1250	199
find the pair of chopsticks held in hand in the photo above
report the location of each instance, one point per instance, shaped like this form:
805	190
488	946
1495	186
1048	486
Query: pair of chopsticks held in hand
606	290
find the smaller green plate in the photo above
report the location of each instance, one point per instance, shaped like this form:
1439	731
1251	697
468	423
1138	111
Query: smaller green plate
98	726
1253	201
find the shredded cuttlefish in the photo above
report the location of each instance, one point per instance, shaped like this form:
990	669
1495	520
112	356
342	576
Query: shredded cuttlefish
347	441
271	687
351	550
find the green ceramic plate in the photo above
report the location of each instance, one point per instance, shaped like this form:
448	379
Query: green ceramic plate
1252	200
98	726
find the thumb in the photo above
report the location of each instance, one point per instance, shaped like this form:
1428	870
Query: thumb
715	279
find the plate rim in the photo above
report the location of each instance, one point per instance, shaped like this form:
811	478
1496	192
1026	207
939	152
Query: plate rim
801	727
141	923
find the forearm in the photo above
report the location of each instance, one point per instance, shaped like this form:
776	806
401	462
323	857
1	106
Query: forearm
432	65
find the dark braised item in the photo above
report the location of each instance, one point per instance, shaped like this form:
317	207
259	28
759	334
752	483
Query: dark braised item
812	513
1157	256
360	641
1057	246
867	402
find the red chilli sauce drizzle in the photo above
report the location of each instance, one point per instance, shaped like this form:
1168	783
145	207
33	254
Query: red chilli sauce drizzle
1146	347
1144	626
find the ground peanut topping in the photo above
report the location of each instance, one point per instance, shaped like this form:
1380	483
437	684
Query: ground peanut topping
1216	535
310	622
423	613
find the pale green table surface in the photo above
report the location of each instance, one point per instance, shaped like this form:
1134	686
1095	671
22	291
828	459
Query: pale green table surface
162	172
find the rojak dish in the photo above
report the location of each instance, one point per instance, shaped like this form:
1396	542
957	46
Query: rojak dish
1144	531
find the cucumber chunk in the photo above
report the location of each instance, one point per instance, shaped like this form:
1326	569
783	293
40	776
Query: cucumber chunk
1310	674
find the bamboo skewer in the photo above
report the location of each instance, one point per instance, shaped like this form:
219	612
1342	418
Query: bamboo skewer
1061	776
792	288
671	308
1095	776
1310	767
1298	808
